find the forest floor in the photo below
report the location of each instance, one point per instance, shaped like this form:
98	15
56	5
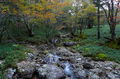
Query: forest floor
87	45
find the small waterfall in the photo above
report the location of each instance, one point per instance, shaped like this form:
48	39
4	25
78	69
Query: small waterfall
68	70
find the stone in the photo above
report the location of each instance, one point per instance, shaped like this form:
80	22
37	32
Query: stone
96	70
108	68
29	57
93	76
51	71
87	66
10	72
1	64
42	47
79	59
26	69
111	75
81	74
50	59
68	43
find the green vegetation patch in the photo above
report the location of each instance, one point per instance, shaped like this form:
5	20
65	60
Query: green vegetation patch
11	53
100	51
100	56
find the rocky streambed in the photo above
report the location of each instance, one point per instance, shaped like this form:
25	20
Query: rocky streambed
51	64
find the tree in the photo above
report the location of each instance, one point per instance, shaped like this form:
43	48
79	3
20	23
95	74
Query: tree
111	14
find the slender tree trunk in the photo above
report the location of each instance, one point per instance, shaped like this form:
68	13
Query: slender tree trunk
98	19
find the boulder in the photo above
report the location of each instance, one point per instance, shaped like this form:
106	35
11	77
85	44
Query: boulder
50	59
9	73
88	66
81	74
26	69
29	56
93	76
68	43
51	71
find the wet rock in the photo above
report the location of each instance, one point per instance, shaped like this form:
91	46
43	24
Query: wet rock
50	59
87	66
81	74
10	72
26	69
51	71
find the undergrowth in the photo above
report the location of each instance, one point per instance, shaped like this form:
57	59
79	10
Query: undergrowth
91	46
11	53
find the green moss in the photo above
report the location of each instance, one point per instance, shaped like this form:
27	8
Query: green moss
74	47
86	49
77	39
67	40
100	56
46	51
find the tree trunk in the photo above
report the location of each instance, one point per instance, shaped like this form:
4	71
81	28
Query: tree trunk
98	19
112	31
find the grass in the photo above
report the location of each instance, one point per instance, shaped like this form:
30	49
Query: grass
91	46
11	54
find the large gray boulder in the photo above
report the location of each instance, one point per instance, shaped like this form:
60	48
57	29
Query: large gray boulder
26	69
51	71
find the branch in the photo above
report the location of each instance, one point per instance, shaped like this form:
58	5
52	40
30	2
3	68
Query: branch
105	12
12	38
116	11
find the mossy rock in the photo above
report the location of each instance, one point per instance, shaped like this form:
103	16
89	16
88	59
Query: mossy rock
100	57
